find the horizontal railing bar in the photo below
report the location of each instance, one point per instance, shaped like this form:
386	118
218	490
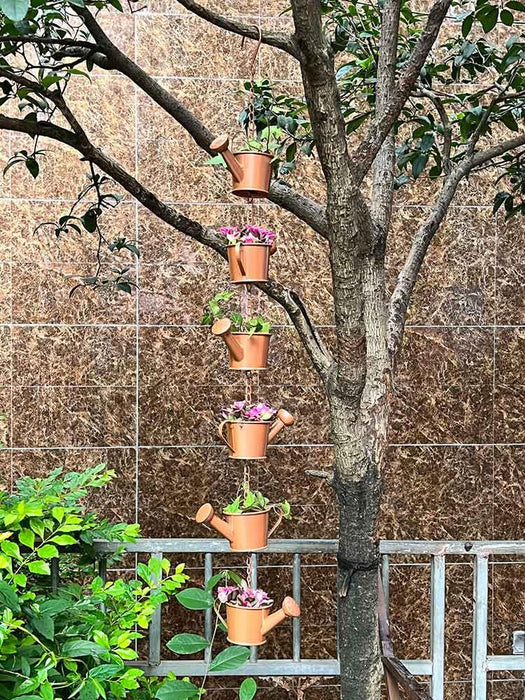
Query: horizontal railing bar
202	546
506	663
421	547
418	667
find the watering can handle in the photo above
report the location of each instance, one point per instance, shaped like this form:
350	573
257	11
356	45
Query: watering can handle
277	522
238	257
220	433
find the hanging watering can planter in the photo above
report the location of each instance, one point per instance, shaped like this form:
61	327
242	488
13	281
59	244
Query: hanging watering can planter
249	428
248	616
248	351
246	520
251	170
249	249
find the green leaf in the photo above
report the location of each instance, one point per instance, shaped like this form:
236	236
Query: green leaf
488	16
39	567
418	165
248	689
75	648
506	17
510	122
88	691
32	166
47	551
230	658
8	597
64	540
45	625
105	671
186	643
54	606
27	537
14	9
195	599
11	549
177	690
466	25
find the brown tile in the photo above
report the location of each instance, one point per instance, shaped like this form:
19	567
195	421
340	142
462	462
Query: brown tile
115	501
460	690
5	292
506	690
437	493
73	417
510	274
509	406
509	498
6	417
5	356
176	293
6	216
288	362
41	294
409	611
456	283
443	392
95	356
5	153
510	357
458	621
5	471
507	583
319	612
180	46
196	475
309	408
34	242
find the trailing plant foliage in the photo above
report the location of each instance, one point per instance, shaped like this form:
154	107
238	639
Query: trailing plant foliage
74	639
215	310
245	411
253	502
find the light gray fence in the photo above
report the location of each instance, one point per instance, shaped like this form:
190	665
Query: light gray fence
432	668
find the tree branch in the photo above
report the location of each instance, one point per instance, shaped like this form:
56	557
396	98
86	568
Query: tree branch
363	156
482	157
47	41
304	208
287	298
280	40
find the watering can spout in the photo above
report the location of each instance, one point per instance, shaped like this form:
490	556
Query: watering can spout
289	608
207	515
222	145
283	420
222	328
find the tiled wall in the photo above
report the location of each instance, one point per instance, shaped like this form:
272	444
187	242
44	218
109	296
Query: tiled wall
136	382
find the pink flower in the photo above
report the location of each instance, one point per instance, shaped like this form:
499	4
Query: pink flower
224	592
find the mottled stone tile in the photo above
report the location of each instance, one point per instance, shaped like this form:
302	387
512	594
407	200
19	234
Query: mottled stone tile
42	294
458	620
120	28
510	357
5	471
509	408
309	408
509	496
33	241
506	690
62	174
115	501
5	292
507	583
5	356
274	63
176	293
69	356
174	483
443	391
180	46
6	417
319	612
73	417
456	283
409	611
437	493
510	274
459	690
5	229
5	153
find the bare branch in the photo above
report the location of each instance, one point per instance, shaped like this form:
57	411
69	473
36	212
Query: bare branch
304	208
287	298
482	157
47	41
281	40
322	96
363	156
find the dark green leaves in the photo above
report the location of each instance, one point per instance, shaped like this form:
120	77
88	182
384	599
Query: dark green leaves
230	658
187	643
8	597
195	599
80	647
248	689
177	690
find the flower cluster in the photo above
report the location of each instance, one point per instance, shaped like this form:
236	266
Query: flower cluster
248	234
242	410
244	597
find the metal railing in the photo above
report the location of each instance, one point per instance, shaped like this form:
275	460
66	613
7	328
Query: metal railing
432	668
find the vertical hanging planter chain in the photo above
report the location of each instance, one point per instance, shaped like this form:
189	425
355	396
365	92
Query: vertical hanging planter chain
248	427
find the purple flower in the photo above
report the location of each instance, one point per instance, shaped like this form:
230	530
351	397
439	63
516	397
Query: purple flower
244	597
241	410
224	593
248	234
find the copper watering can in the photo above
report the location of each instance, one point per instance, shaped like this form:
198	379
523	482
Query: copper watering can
249	626
247	352
249	262
247	532
249	439
251	170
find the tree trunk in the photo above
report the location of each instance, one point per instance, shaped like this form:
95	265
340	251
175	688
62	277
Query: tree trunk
357	483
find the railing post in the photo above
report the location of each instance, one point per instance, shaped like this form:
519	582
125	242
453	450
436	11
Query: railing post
208	614
154	633
296	624
437	626
253	567
479	646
